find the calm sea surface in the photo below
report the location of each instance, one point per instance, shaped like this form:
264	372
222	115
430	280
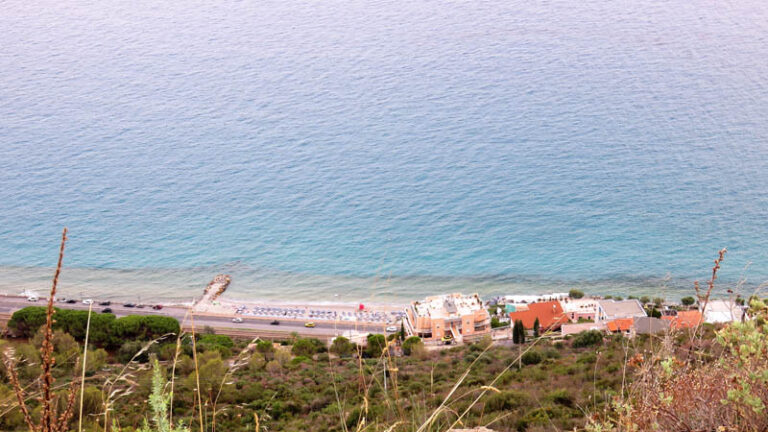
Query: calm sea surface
373	150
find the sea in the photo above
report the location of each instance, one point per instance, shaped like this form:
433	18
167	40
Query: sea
376	151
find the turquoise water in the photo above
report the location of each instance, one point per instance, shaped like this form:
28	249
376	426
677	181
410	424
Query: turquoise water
382	149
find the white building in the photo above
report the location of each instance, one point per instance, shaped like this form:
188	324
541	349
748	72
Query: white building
609	310
584	309
723	311
533	298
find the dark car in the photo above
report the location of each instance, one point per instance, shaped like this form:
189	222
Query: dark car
275	322
105	303
106	310
157	307
129	305
71	301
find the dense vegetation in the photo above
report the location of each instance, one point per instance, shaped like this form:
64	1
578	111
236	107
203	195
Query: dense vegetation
106	331
299	385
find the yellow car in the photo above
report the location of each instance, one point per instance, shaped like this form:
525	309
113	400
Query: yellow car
309	324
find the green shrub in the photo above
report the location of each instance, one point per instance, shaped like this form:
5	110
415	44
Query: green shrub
265	348
213	342
531	357
495	323
375	346
561	397
575	294
342	347
507	401
307	347
410	343
129	349
26	321
587	338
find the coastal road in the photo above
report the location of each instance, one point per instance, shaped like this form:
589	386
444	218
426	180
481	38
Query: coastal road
251	327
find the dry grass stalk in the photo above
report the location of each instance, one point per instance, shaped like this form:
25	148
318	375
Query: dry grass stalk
173	367
85	360
197	375
110	393
49	421
703	298
240	361
18	390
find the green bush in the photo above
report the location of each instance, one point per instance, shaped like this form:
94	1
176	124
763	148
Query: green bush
587	338
307	347
507	401
688	301
410	343
213	342
342	347
375	346
575	294
26	321
495	323
130	349
561	397
265	348
531	357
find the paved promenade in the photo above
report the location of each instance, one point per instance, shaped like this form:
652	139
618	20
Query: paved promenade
251	327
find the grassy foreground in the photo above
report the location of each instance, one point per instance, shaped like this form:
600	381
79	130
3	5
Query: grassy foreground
701	379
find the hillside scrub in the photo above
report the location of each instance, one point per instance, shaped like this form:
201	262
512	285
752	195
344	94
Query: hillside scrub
706	378
292	391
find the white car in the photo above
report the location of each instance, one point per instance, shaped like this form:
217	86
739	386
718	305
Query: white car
88	301
237	320
392	329
32	298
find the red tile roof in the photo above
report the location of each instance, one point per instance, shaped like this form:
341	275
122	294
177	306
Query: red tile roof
550	315
684	319
621	324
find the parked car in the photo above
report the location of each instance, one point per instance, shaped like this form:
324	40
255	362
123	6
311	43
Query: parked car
140	306
129	305
237	320
275	322
71	301
88	301
392	329
157	307
105	303
106	310
32	298
309	324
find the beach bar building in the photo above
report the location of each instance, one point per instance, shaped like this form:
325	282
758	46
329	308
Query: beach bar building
453	316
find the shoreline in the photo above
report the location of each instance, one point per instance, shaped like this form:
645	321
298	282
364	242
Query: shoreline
184	286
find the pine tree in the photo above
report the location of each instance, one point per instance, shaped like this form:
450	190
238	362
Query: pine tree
518	332
515	334
536	326
402	331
